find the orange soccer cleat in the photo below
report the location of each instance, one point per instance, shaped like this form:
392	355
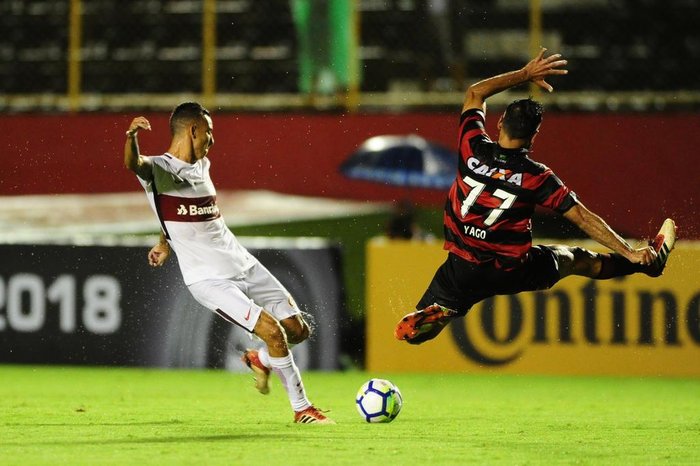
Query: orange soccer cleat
311	415
261	374
423	325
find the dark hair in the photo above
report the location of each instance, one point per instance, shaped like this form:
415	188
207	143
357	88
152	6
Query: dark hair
522	118
186	113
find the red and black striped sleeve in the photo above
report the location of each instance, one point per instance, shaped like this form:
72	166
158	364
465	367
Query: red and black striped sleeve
471	132
552	193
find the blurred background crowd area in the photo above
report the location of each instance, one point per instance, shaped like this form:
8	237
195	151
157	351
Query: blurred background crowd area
96	55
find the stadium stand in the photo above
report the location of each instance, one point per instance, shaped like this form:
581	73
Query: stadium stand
155	46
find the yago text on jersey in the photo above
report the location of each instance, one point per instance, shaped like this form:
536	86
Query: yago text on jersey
475	232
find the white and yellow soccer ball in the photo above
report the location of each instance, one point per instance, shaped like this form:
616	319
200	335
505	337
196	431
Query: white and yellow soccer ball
378	400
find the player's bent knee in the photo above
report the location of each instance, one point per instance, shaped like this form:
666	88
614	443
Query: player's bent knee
296	328
269	330
585	262
583	255
567	261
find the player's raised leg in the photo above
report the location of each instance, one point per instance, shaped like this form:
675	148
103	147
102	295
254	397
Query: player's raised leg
296	329
602	266
264	288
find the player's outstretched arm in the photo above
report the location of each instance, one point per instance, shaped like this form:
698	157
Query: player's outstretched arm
133	160
159	253
597	229
536	70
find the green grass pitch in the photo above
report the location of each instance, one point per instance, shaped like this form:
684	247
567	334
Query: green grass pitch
103	416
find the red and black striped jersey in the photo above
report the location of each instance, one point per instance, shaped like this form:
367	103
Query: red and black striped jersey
488	212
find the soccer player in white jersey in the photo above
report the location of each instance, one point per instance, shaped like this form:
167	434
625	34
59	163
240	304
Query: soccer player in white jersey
219	272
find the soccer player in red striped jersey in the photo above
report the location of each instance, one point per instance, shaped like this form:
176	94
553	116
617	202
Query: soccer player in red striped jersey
489	209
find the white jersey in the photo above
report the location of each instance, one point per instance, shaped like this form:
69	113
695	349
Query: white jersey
183	198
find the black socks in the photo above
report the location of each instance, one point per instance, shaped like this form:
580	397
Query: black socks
614	265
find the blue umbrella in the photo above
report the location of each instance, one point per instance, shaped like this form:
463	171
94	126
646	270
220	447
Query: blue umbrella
410	161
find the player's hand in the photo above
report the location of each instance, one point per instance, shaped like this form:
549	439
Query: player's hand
540	67
158	254
137	124
643	256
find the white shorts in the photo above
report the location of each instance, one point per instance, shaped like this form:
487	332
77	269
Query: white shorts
240	299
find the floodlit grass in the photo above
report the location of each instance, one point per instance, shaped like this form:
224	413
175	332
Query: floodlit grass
92	416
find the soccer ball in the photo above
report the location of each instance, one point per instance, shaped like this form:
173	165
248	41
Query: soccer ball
378	400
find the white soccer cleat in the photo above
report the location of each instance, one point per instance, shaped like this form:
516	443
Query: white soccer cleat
663	245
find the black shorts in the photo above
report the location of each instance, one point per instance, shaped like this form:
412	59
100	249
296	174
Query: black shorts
459	284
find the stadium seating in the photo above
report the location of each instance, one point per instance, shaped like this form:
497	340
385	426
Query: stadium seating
155	45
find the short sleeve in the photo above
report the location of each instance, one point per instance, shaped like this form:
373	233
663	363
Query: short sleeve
554	194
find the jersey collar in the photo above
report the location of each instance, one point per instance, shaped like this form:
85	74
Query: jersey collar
510	153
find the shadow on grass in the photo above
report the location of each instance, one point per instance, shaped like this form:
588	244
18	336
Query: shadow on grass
154	440
108	424
301	433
